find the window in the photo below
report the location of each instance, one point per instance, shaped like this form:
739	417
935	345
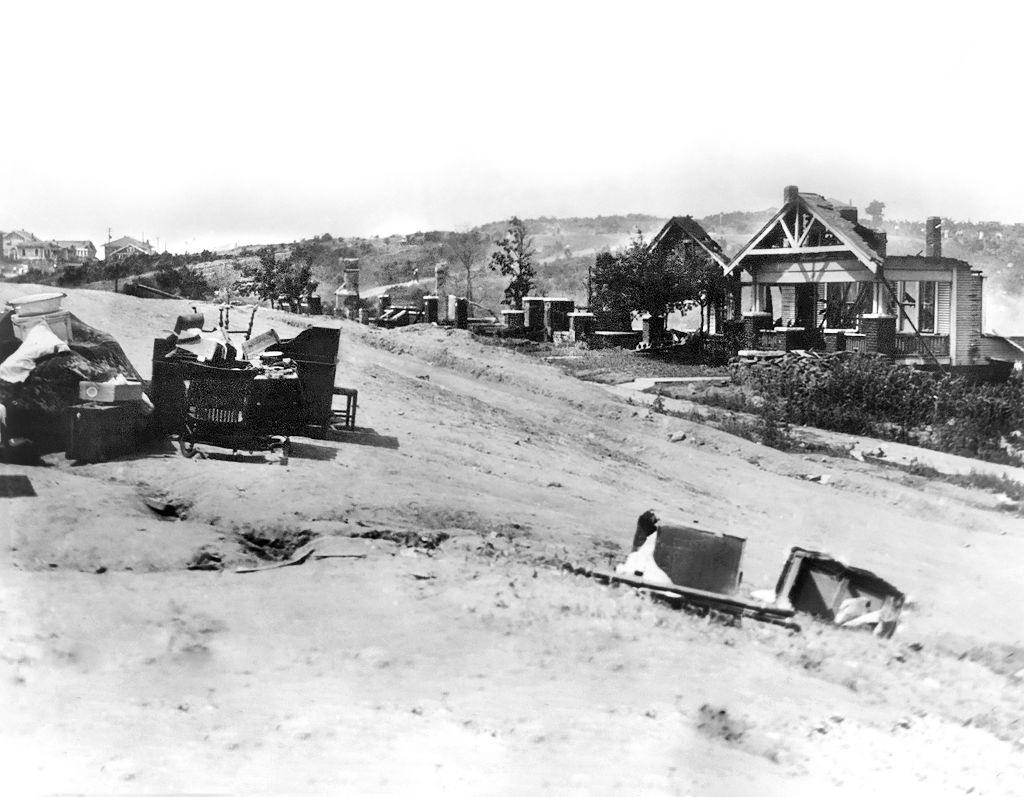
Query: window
844	301
926	307
918	302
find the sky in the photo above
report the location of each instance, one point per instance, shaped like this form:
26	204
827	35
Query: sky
202	125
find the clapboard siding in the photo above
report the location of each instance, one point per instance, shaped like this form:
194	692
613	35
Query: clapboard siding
968	316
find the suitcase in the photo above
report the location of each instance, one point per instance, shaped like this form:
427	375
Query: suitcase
100	432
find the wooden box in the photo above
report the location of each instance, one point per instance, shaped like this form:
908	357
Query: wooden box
59	323
99	432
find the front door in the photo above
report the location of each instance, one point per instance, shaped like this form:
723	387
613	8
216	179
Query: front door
807	306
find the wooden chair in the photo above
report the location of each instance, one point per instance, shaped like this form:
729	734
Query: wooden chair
225	321
346	418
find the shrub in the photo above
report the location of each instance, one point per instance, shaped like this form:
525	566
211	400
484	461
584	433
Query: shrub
871	395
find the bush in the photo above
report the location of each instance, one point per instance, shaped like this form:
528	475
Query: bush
871	395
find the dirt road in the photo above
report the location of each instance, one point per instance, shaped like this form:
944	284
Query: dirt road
478	666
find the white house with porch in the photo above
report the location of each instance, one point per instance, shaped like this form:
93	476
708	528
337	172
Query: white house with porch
814	277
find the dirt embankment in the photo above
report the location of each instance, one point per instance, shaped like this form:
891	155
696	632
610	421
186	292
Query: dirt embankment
477	666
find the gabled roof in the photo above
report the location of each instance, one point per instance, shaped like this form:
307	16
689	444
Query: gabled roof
76	243
688	227
126	240
37	244
21	233
866	244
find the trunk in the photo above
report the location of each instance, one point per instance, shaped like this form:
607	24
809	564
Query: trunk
469	284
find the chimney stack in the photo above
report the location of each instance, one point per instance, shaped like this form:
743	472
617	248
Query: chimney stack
849	213
790	194
933	237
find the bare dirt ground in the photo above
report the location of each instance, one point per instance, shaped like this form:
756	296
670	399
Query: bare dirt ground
471	663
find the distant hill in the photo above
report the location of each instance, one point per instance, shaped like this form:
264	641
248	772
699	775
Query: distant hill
565	249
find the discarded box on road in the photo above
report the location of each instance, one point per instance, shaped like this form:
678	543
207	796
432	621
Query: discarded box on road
815	583
687	556
701	559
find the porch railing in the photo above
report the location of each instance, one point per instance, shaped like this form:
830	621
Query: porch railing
909	345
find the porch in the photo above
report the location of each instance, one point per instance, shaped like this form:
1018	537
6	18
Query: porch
905	345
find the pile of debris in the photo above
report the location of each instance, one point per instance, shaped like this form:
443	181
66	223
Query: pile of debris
701	569
55	368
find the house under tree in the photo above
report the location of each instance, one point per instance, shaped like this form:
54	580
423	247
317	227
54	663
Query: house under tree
682	232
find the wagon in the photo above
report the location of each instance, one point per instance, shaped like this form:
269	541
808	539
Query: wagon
220	410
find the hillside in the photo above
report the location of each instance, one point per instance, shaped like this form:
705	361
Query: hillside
566	247
474	664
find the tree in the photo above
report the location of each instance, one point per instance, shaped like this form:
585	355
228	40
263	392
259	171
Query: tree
514	259
466	248
271	277
656	282
262	275
609	283
116	270
183	281
875	210
706	285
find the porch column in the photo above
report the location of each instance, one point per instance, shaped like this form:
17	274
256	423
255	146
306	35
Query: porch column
881	299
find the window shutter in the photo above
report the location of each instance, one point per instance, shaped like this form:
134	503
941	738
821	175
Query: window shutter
942	305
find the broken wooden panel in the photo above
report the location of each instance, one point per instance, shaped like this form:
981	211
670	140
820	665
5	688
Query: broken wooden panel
698	558
815	583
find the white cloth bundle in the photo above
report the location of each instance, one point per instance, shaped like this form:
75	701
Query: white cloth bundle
39	342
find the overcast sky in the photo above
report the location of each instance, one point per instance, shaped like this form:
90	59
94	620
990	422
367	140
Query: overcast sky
205	124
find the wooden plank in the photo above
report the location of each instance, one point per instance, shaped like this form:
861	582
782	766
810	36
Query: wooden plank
796	273
698	597
768	227
807	231
785	231
918	275
800	250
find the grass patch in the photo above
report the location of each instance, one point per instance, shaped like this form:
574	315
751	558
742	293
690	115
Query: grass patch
987	482
613	366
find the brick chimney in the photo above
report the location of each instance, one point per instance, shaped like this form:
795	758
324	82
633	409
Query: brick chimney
849	212
933	237
789	194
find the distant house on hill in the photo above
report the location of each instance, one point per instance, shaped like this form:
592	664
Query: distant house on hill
36	252
815	277
77	251
24	247
13	239
126	246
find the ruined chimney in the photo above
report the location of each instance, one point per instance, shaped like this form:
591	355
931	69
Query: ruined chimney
933	237
849	213
789	194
